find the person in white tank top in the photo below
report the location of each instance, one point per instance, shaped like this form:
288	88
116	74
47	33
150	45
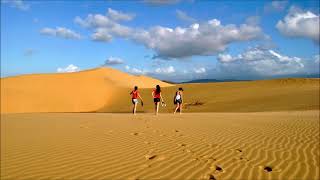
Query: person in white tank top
178	100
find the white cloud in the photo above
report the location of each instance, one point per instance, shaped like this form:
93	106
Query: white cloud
19	4
113	61
69	68
136	71
225	58
184	17
119	16
299	23
200	70
101	34
60	32
208	38
94	20
275	6
317	59
165	70
199	39
262	62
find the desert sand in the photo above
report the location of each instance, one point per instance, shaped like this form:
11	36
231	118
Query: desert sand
107	90
78	126
83	91
188	146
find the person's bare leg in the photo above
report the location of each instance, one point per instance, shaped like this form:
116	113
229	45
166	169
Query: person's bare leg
180	107
157	108
177	107
134	108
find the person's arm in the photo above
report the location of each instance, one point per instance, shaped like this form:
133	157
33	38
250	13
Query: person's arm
131	92
161	98
152	93
140	97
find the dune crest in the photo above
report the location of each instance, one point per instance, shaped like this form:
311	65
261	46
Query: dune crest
82	91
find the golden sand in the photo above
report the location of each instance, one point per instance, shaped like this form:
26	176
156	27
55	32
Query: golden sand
246	130
83	91
107	90
187	146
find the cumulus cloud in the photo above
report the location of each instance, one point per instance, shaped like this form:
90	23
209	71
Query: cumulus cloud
208	38
136	71
317	59
19	4
60	32
162	71
275	6
262	62
119	16
165	70
113	61
204	39
105	26
184	17
299	23
200	70
94	21
69	68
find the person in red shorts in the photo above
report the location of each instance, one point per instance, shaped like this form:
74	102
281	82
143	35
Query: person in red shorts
134	98
156	94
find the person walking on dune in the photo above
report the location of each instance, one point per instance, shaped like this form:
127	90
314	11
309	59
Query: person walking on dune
134	97
156	94
178	100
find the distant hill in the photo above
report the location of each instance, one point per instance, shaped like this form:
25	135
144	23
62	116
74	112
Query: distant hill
211	80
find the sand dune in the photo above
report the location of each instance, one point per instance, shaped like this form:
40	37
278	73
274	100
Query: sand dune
250	96
67	92
107	90
190	146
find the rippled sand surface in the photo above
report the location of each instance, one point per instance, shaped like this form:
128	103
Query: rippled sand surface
267	145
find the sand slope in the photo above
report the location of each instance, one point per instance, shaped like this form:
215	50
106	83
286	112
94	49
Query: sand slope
107	90
190	146
83	91
250	96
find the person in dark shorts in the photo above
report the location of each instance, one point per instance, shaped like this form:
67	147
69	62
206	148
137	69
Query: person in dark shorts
134	98
156	94
178	100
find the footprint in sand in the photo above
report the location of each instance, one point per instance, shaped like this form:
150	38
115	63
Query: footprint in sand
216	168
181	145
135	134
267	168
208	177
244	158
239	150
150	156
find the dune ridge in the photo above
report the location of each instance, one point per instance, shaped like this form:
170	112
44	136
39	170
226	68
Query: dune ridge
83	91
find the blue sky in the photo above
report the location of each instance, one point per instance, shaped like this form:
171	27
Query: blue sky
172	39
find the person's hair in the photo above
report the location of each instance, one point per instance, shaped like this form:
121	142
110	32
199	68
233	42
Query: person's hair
180	89
158	89
136	88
